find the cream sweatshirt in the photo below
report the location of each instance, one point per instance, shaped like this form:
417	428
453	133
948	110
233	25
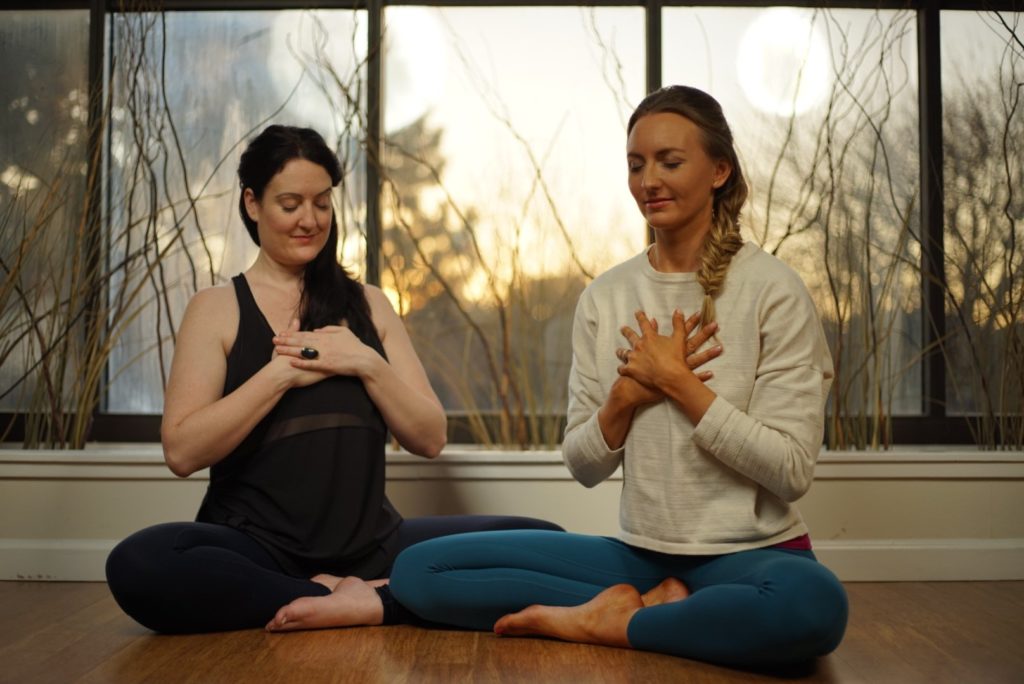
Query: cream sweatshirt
727	483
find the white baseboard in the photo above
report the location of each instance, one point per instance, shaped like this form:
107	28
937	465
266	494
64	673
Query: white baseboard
56	560
923	560
882	560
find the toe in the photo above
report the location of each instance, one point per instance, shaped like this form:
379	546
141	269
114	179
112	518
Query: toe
287	618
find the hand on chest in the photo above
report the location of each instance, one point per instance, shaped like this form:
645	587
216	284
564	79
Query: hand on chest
734	370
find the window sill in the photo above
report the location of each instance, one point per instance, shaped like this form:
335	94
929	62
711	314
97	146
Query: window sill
465	462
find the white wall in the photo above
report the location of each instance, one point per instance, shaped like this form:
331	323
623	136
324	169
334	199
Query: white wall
899	515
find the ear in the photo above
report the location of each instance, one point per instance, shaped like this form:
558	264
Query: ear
720	174
252	205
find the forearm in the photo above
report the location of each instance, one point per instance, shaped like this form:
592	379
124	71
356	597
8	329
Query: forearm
780	460
204	437
615	418
687	392
586	454
415	418
766	455
770	430
594	439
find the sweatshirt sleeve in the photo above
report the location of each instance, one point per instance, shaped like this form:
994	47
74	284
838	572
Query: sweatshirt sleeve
584	450
777	441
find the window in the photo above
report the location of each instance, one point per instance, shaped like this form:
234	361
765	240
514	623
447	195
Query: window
492	190
823	106
43	119
174	145
506	194
983	134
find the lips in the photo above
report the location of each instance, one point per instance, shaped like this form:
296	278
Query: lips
657	202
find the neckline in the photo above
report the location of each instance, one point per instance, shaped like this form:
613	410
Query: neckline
683	276
664	276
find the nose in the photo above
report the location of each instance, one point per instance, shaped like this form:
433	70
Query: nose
307	217
649	179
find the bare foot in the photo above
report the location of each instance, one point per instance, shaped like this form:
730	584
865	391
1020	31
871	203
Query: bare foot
670	589
329	581
601	620
352	602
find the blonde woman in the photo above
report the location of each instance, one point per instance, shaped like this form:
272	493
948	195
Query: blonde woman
713	561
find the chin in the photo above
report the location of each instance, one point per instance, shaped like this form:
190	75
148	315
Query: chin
302	257
660	221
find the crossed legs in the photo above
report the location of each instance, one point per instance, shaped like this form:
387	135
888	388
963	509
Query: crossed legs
759	607
355	602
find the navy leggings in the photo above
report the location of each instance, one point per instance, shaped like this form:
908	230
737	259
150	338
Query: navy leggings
192	577
764	607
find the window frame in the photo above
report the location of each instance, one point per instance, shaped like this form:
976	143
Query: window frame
933	426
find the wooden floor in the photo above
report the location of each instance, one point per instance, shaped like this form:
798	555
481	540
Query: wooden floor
962	632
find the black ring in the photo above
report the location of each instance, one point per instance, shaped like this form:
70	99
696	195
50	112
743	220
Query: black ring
309	353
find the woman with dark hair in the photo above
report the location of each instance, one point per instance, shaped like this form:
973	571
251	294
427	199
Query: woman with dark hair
285	384
713	561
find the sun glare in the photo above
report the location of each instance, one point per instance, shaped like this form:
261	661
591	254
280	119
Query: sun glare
783	63
415	65
305	44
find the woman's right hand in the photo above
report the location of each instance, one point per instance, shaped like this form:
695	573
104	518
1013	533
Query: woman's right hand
634	392
295	377
628	393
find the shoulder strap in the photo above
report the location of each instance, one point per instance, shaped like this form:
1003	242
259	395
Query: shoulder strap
249	315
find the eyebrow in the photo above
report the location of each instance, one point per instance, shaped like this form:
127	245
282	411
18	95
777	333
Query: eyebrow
284	195
664	152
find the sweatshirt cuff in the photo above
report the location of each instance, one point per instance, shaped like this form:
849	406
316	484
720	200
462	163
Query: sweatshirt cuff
713	433
588	456
594	445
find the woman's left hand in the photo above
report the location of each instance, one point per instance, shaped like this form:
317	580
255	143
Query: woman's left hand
654	358
337	350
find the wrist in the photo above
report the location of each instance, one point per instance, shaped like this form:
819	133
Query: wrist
675	379
688	392
370	366
621	399
280	374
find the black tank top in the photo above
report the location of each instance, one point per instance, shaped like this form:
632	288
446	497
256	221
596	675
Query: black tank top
308	481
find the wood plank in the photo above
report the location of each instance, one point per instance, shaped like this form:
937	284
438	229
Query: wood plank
72	643
934	632
24	612
986	642
904	632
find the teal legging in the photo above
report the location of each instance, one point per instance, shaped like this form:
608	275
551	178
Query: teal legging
764	607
